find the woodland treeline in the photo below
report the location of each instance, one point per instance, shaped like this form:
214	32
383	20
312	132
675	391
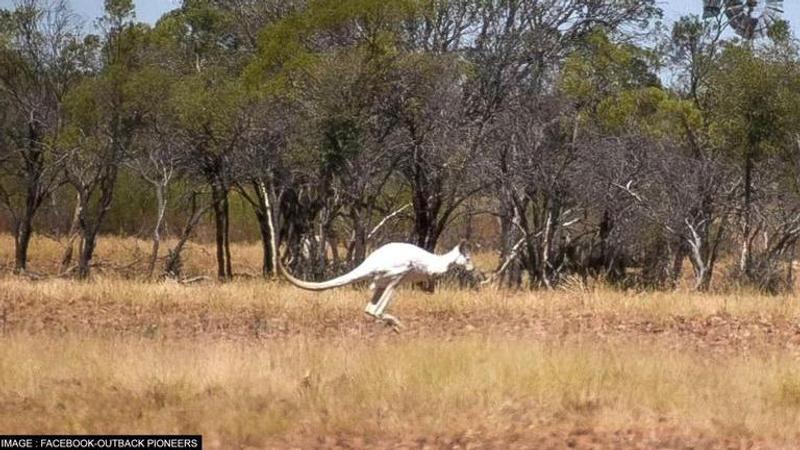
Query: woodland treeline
596	140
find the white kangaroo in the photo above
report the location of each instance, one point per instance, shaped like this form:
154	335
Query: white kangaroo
387	267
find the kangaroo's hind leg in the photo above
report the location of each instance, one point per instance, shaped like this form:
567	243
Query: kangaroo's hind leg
372	306
380	301
386	300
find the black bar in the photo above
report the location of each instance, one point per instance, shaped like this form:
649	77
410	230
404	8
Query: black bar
108	442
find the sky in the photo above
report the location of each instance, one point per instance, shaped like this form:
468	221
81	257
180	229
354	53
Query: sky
150	10
146	10
674	9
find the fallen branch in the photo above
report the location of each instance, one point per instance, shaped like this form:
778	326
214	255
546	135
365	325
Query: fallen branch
511	256
193	280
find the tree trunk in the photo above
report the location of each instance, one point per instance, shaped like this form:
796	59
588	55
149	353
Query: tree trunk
426	203
33	169
72	234
426	236
162	208
22	239
746	254
425	227
273	262
172	266
510	236
702	279
789	270
219	202
319	243
426	239
703	254
546	237
227	237
85	257
262	206
359	245
677	264
219	236
267	266
90	227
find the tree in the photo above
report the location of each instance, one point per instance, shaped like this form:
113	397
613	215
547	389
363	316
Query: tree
753	103
155	156
207	104
340	155
41	56
102	124
440	153
258	166
521	48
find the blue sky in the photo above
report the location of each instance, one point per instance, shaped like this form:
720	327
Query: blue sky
151	10
146	10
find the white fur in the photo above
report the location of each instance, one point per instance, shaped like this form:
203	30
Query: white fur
386	268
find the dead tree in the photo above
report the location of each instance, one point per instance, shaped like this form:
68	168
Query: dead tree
156	162
775	222
689	197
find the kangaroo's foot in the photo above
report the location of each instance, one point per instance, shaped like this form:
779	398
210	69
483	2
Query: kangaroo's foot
386	319
392	321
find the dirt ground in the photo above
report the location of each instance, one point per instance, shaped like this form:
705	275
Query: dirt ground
719	332
580	438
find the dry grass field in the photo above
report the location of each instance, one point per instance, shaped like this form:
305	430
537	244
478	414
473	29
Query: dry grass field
257	364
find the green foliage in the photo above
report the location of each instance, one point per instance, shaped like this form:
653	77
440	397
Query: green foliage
780	32
286	48
6	24
603	69
82	104
652	110
148	88
209	102
608	81
338	84
197	86
119	10
615	89
754	102
205	28
692	50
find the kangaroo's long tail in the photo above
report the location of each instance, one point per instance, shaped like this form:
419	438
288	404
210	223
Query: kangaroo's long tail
354	275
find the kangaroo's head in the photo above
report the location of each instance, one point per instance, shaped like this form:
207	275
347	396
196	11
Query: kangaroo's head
462	256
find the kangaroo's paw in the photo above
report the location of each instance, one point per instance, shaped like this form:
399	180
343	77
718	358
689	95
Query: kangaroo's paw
392	321
376	318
